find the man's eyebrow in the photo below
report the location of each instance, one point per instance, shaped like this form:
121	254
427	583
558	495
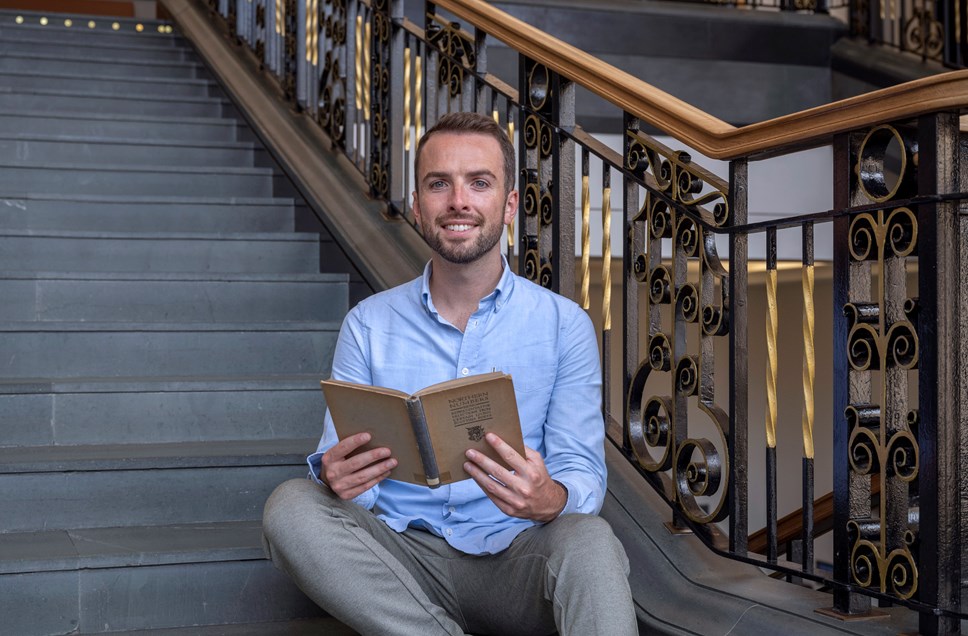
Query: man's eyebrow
442	174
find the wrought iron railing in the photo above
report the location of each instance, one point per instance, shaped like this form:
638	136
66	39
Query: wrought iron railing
933	30
692	397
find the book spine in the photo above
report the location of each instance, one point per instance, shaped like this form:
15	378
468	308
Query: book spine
419	423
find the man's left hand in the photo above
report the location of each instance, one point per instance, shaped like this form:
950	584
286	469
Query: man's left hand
528	492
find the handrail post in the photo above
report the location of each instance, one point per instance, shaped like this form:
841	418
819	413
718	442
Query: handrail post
632	266
738	359
941	369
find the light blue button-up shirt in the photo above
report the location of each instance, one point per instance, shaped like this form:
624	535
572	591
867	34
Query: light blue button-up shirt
544	341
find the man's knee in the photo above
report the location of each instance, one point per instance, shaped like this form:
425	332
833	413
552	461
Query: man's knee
589	539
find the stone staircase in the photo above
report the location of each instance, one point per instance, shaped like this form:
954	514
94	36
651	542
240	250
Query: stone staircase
163	329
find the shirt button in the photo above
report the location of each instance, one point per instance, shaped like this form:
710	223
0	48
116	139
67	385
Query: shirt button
465	371
452	509
449	532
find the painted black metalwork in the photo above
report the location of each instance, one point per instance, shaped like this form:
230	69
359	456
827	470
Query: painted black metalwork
332	98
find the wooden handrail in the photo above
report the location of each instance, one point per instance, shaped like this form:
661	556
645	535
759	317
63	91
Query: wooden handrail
790	527
697	129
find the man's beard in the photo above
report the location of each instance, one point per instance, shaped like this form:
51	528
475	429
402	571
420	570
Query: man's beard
488	236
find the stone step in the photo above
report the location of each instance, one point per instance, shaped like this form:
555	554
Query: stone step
158	252
57	63
182	298
23	80
160	410
34	24
93	213
54	101
139	180
92	151
43	44
305	627
117	126
112	350
75	487
191	578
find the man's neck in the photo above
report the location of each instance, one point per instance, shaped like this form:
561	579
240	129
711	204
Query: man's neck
457	290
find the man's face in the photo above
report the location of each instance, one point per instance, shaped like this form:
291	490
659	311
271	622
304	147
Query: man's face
460	203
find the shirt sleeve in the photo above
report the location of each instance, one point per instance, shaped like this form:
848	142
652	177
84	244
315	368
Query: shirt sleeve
349	364
574	435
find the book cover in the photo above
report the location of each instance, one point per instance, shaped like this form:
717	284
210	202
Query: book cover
428	432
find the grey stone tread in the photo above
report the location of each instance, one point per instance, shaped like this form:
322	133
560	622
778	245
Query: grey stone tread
161	384
156	456
141	143
171	277
41	37
326	626
173	170
10	13
8	76
133	97
193	327
28	58
130	117
135	200
282	237
58	550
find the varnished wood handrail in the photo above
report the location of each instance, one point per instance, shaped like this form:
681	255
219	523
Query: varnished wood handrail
790	527
697	129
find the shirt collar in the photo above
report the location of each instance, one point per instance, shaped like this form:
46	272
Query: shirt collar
496	299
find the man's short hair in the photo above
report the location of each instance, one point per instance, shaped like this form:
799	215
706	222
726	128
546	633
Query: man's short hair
472	123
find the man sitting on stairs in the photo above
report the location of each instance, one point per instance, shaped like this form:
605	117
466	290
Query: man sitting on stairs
502	552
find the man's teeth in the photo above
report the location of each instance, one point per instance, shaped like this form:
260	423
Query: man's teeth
458	228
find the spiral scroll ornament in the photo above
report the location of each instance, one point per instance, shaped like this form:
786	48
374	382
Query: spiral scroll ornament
686	288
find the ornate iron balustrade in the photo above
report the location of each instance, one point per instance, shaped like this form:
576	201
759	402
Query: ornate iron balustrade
374	81
936	31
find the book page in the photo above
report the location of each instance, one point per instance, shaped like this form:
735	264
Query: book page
461	413
381	412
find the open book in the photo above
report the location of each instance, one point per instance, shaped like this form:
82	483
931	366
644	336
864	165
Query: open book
429	431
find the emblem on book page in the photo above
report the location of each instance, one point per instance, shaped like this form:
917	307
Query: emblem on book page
475	433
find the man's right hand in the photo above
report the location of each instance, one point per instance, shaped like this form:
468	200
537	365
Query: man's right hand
350	476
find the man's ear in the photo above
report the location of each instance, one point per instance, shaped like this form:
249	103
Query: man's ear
510	207
416	208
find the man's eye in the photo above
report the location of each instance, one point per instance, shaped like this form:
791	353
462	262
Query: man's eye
436	185
480	183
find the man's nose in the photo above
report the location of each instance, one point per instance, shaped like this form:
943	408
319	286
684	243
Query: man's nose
458	197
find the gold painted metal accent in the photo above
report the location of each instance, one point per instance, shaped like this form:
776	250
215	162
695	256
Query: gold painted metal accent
771	361
586	211
311	30
68	23
607	259
809	361
359	62
139	27
418	89
281	17
116	26
367	70
406	99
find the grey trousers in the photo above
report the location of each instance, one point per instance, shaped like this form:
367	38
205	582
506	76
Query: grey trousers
570	574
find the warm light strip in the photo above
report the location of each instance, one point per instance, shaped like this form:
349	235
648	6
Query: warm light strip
406	99
771	361
606	258
359	62
809	361
280	17
586	213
